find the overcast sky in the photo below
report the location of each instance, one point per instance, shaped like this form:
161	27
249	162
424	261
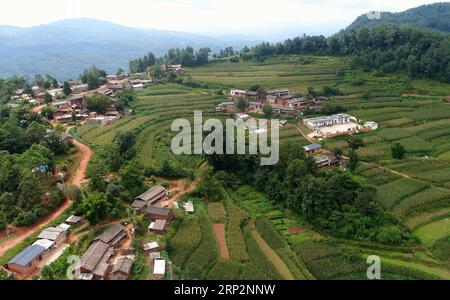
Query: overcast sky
216	17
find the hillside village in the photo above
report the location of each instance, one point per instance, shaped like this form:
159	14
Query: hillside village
91	190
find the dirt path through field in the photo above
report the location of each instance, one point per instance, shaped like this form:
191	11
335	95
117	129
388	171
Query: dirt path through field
273	257
219	231
86	155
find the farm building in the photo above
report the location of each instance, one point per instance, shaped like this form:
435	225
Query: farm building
80	88
154	255
312	148
255	106
320	122
324	161
225	106
47	244
160	213
159	269
151	247
148	198
283	110
159	226
279	93
66	138
122	268
371	125
98	121
243	117
76	101
73	220
55	234
238	93
27	260
95	260
297	102
113	235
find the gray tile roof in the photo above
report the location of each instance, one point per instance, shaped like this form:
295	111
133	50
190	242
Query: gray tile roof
94	254
112	235
153	194
160	211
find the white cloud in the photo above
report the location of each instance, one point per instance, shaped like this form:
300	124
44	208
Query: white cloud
204	16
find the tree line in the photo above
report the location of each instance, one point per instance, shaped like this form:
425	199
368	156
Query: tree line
27	164
187	57
386	48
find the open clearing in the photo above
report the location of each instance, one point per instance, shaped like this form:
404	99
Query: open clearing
432	232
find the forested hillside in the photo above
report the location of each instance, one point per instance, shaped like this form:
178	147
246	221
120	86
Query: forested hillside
385	49
434	16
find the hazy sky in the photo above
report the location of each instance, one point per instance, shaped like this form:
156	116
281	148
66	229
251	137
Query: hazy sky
255	17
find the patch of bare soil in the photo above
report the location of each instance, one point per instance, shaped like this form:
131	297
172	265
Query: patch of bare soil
219	231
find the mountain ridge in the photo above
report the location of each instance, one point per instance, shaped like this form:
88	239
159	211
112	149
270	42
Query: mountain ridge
64	48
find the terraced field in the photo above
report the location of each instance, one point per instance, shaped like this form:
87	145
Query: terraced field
418	195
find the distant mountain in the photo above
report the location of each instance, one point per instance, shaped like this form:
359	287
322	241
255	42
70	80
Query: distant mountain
63	49
433	16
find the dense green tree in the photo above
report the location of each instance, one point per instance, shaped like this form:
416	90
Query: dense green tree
66	88
132	176
95	207
97	103
398	151
353	160
267	110
241	105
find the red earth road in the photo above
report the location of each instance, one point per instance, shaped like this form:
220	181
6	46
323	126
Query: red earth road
22	233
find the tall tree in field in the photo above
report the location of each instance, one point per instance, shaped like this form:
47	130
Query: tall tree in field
398	151
353	160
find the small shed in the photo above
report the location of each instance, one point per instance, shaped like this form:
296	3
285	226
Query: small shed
73	220
312	148
151	247
160	213
159	226
159	269
122	268
155	255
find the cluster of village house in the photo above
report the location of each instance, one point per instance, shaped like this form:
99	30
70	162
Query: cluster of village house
49	245
106	258
75	103
285	102
282	101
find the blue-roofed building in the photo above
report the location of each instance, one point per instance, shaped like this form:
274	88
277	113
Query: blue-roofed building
27	260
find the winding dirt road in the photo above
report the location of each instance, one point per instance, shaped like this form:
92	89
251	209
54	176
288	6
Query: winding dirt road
21	233
86	154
